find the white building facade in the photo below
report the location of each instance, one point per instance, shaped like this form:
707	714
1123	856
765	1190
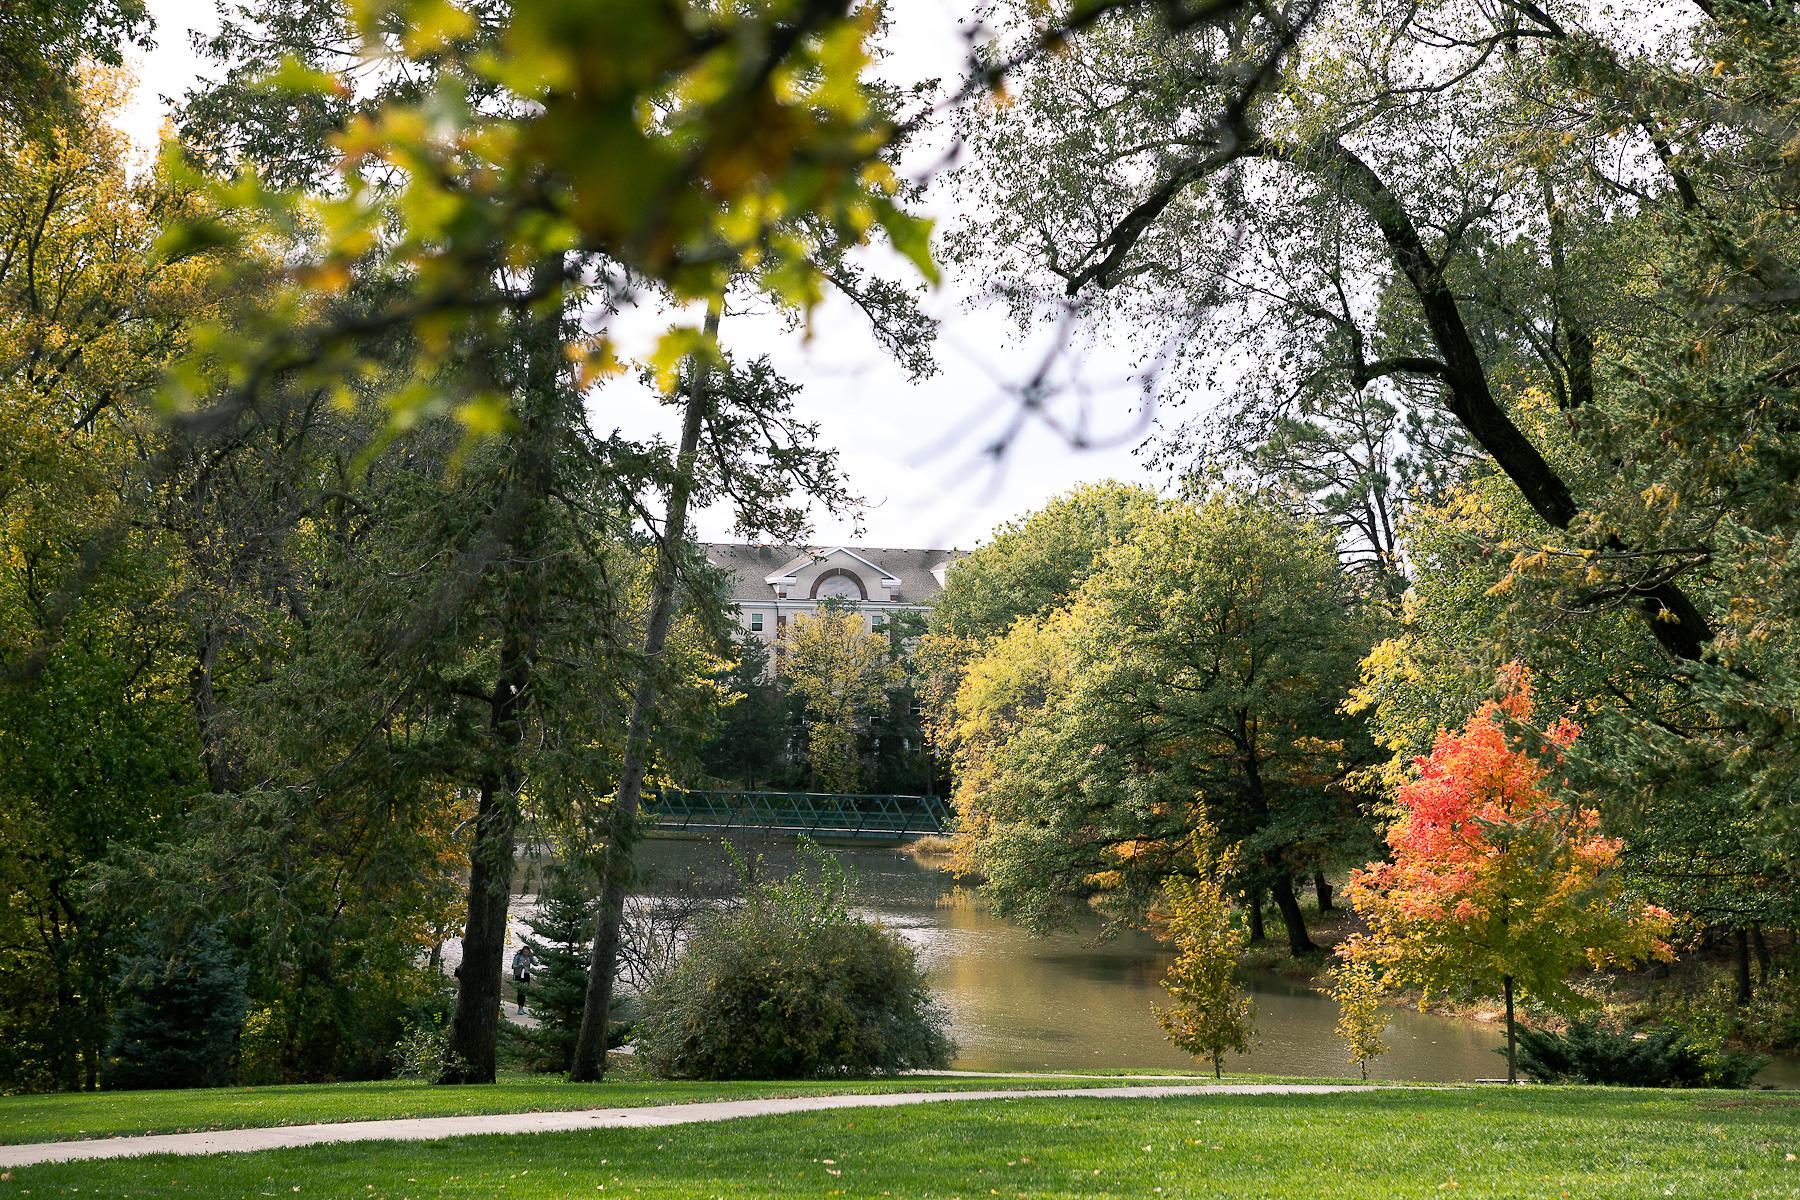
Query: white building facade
771	585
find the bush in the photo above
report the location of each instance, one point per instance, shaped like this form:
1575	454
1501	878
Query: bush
1587	1052
789	984
180	1009
423	1051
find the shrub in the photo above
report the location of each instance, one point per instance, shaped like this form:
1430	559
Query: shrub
180	1009
1588	1052
790	984
423	1051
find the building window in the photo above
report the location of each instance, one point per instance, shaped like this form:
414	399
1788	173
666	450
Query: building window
756	622
878	622
838	584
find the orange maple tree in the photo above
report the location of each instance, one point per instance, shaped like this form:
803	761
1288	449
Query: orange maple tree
1497	876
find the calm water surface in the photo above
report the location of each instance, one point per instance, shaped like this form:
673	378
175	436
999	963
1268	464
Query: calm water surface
1068	1001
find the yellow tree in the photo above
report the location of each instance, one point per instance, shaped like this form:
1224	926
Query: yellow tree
1361	1021
843	672
1209	1015
96	748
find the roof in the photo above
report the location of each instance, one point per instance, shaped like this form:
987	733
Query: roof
751	565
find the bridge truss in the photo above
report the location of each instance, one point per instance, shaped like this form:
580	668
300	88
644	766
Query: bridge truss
814	814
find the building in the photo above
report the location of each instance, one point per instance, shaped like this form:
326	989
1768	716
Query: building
771	585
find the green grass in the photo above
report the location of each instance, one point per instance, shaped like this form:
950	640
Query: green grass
1519	1144
68	1116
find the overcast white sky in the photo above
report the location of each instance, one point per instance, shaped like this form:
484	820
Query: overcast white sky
914	451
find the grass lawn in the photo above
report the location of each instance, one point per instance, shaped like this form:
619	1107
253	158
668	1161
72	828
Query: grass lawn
1481	1142
67	1116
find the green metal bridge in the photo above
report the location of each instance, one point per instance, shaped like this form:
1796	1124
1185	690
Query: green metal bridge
813	814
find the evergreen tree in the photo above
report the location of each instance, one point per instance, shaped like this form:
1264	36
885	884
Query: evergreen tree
561	927
179	1012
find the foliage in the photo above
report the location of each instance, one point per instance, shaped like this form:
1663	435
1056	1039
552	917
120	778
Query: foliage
1555	253
1033	564
44	43
1207	655
97	748
1208	1015
1496	877
842	672
562	928
748	743
1361	1016
450	180
1588	1052
423	1051
791	984
181	1005
1026	569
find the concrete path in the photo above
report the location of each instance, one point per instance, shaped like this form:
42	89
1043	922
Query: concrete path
226	1141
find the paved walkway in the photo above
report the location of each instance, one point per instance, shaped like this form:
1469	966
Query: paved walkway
225	1141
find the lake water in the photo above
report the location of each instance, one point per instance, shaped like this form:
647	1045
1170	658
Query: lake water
1072	1001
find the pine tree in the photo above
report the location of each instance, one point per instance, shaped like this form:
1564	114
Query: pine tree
180	1009
561	926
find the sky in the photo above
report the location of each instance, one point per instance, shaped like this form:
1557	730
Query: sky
917	452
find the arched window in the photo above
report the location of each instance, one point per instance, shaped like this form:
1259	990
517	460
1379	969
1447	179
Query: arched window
838	584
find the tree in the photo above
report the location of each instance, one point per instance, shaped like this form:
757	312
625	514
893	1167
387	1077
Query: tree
748	746
97	752
1208	1015
180	1009
1390	245
1361	1016
1027	568
44	44
562	926
842	672
1206	657
1495	876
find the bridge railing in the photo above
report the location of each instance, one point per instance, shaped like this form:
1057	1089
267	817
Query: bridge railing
821	813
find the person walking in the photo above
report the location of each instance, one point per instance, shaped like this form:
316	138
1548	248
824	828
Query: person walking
522	962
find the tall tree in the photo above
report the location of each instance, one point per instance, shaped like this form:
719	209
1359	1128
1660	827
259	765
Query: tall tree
1197	675
589	1061
96	749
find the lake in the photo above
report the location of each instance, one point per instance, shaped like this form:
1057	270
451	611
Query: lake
1075	1000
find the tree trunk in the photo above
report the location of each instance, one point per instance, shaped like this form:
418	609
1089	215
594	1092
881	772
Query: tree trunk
1761	945
520	528
475	1022
1512	1034
1742	938
1322	888
1253	905
589	1062
1299	944
213	752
